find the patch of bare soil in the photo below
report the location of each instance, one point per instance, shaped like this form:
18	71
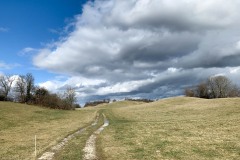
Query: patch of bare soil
90	147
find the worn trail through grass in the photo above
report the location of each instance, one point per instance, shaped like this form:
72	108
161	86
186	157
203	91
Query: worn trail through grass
90	148
49	155
85	145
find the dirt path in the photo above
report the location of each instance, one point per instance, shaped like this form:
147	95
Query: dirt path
50	154
90	147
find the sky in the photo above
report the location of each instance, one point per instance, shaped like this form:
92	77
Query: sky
120	48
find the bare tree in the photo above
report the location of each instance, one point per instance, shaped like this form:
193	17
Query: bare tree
70	97
211	86
189	92
214	87
202	90
220	86
6	82
29	86
20	88
234	91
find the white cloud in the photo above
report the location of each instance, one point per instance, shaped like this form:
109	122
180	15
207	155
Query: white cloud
127	45
4	65
124	87
172	69
51	85
234	70
59	83
28	50
238	45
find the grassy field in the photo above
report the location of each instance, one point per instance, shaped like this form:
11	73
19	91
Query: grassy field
175	128
20	123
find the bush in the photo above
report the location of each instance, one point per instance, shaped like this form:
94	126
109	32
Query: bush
77	106
2	98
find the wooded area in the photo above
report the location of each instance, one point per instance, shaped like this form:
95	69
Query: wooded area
23	90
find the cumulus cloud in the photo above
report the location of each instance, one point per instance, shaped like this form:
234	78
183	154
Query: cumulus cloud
145	47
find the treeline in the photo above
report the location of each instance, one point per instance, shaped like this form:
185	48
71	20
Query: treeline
95	103
23	90
105	101
214	87
140	100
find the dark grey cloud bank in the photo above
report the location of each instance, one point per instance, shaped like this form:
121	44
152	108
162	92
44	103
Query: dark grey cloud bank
150	48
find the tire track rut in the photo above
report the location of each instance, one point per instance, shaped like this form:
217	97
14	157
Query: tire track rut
90	147
49	155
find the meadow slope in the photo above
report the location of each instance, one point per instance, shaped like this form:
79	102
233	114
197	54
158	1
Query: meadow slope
174	128
19	123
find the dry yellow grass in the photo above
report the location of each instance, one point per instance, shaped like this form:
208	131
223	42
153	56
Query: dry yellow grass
175	128
19	124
